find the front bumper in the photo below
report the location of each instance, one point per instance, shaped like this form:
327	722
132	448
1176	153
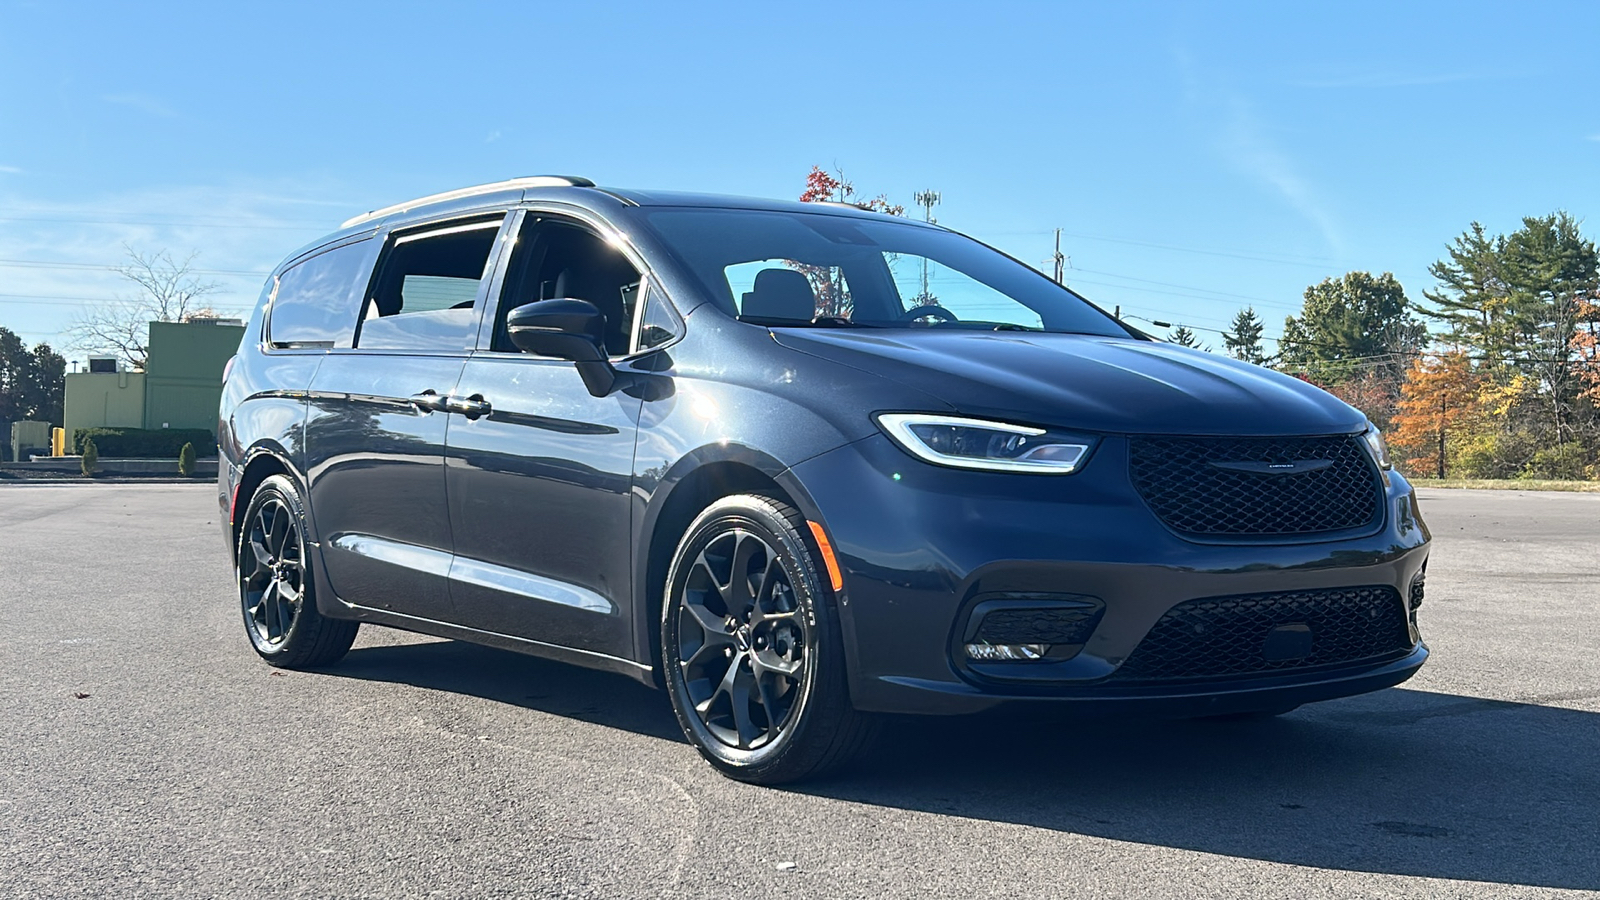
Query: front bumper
919	544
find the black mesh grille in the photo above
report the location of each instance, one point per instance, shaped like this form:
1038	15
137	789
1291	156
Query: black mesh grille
1188	484
1035	625
1223	636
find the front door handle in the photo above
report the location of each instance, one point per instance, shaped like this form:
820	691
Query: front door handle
429	401
472	407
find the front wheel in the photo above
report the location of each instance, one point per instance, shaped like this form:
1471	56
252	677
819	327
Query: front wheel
277	594
752	649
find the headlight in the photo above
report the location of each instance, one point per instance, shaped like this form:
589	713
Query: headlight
1376	447
991	446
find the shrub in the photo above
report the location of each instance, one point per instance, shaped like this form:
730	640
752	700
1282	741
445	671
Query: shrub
1563	461
186	461
1493	455
91	458
146	443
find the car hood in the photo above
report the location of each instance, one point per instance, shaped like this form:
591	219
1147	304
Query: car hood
1111	385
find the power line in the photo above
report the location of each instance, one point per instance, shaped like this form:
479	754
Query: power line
1256	300
233	223
1307	261
71	266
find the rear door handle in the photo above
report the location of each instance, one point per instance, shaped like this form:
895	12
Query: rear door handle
429	401
472	407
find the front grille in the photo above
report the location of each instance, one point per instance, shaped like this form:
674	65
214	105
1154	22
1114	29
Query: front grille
1189	486
1039	625
1226	636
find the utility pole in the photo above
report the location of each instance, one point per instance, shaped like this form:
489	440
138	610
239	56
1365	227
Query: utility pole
927	200
1061	273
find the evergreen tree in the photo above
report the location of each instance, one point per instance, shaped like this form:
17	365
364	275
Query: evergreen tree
1473	299
1183	336
1552	272
1243	341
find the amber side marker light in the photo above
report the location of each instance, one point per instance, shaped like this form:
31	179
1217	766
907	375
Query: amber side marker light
834	575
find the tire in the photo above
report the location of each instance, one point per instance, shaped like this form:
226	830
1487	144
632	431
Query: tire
277	593
755	664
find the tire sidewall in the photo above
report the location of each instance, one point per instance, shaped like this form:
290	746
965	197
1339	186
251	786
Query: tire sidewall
754	514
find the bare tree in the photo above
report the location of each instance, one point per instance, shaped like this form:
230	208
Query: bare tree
166	290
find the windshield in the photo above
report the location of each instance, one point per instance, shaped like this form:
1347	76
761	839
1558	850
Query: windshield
786	268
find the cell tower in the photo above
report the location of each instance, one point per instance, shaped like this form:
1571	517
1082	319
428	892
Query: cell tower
927	200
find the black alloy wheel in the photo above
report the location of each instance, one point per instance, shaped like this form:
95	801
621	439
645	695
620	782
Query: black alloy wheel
276	589
272	572
751	648
742	640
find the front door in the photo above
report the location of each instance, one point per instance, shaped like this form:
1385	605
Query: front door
539	483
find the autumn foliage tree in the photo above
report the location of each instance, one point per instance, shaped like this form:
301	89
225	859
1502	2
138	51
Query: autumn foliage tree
833	293
1441	394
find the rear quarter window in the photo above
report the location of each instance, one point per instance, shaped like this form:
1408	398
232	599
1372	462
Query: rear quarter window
317	300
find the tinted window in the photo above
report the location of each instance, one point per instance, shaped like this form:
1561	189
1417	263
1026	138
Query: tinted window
427	287
657	322
555	259
317	300
855	270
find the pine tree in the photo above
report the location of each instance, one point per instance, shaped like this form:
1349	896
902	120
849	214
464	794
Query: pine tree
1183	336
1243	341
1552	272
1473	299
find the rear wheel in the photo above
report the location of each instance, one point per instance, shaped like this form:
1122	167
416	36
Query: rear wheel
751	648
276	591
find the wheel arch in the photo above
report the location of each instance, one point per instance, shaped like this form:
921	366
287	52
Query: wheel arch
695	483
260	463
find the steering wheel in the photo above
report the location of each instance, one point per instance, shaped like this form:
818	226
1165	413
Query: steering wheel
932	309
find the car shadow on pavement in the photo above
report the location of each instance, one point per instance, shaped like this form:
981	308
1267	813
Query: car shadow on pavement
1401	782
604	698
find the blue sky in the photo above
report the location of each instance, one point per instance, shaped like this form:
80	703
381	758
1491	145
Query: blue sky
1196	159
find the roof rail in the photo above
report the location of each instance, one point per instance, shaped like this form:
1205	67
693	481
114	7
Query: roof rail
530	181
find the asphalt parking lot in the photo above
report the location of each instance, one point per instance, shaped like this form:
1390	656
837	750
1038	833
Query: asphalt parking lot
420	767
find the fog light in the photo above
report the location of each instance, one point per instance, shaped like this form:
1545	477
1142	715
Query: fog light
1006	652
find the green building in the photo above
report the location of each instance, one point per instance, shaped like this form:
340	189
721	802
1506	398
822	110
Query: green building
180	387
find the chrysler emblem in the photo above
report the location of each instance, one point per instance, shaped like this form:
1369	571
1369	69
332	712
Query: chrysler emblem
1296	467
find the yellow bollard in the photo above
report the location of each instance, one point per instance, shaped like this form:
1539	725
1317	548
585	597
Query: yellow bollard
58	442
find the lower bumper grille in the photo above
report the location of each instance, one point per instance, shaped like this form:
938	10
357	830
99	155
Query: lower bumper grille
1219	637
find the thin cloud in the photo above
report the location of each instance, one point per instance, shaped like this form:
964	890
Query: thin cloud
1247	146
142	102
493	136
241	230
10	170
1594	137
1244	143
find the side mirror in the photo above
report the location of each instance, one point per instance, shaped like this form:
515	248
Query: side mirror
566	329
